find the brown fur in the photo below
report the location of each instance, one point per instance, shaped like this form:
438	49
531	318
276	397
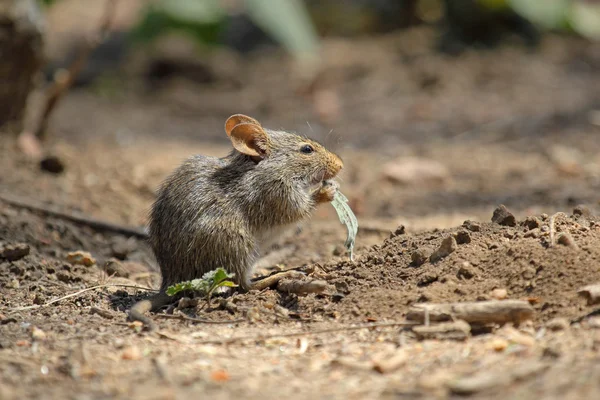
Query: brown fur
214	212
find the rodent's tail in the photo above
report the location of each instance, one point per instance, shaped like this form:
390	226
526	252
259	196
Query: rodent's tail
136	313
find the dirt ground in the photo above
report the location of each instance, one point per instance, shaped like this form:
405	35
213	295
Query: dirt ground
428	142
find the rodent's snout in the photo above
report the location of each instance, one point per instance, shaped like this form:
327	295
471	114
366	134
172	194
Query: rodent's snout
334	165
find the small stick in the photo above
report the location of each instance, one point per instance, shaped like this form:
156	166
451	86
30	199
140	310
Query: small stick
591	293
184	317
478	312
301	287
271	280
316	332
17	309
553	228
64	82
96	224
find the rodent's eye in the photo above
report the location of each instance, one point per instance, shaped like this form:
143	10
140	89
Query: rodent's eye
307	149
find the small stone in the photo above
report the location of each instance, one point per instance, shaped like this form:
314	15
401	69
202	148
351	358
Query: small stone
532	222
113	267
528	273
594	322
447	247
80	257
472	226
517	337
418	257
499	294
337	297
52	164
534	233
503	217
37	334
582	211
400	230
427	279
466	271
14	252
566	240
63	276
557	324
462	237
38	299
499	344
14	284
131	353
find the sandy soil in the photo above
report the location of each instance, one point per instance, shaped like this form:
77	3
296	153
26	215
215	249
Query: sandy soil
429	142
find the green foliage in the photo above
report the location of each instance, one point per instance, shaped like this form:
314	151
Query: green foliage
47	2
202	20
347	217
547	13
287	21
206	285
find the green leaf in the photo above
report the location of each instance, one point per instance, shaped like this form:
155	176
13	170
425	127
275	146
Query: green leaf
347	217
548	13
206	285
288	22
585	19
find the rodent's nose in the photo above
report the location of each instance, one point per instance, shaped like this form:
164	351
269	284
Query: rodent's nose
335	164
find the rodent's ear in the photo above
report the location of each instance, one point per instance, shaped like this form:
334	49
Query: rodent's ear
250	139
238	119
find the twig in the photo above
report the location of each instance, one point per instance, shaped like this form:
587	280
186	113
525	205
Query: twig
93	223
316	332
481	312
553	227
271	280
301	287
63	83
36	306
184	317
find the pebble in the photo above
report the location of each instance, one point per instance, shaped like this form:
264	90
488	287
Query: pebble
504	217
462	237
131	353
594	322
499	294
52	164
80	257
466	271
557	324
14	252
447	247
472	226
499	344
582	211
37	334
532	222
418	257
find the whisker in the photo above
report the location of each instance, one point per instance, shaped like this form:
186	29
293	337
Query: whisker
310	127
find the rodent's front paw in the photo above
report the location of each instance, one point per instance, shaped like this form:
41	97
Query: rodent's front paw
326	192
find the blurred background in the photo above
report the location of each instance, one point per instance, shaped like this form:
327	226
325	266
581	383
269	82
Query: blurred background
441	109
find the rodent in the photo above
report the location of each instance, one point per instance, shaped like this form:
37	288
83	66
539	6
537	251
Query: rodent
215	212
